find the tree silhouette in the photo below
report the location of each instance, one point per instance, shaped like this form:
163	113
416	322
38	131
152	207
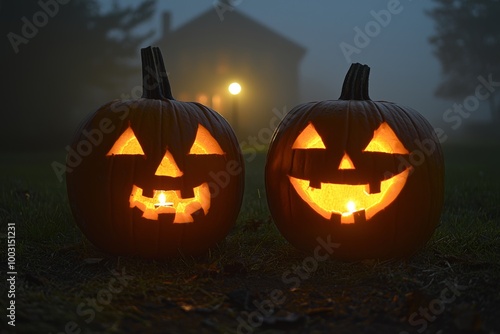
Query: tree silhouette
467	43
55	56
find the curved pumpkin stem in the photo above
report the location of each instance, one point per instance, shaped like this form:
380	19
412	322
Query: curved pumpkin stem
162	74
155	84
150	84
355	85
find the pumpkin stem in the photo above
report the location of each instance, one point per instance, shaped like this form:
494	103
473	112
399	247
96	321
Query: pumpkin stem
155	84
355	85
162	74
150	85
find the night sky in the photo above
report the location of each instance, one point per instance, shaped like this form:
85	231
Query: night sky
404	68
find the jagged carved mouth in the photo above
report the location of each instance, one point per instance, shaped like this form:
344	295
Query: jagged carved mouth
171	202
354	203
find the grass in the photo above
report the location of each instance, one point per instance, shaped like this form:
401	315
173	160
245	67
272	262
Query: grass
60	273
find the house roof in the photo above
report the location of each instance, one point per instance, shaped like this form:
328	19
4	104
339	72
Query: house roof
237	25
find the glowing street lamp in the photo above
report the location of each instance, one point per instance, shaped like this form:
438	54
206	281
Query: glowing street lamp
235	88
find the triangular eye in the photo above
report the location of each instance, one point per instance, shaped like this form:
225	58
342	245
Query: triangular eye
126	144
385	140
308	138
346	162
205	143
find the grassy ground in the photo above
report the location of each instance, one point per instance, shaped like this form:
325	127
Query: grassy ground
65	285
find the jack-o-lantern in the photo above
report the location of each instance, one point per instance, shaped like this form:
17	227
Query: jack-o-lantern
157	177
366	175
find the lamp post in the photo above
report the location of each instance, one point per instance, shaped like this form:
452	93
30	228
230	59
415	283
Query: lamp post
235	88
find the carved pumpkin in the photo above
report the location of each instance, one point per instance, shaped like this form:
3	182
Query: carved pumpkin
367	175
162	177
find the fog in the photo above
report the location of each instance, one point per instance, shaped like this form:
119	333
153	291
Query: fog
392	37
404	69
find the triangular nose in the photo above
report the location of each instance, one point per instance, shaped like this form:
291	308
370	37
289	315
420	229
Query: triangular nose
346	162
168	167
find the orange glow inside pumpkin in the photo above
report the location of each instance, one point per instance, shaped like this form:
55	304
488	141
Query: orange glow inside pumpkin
385	141
169	201
346	199
127	143
168	167
308	138
205	143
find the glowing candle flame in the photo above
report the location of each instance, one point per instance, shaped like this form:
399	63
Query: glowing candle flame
162	198
162	201
351	206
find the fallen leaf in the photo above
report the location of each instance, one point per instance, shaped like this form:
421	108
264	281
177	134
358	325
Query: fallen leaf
186	307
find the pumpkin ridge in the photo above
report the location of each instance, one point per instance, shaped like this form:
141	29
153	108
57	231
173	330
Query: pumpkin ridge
409	117
429	171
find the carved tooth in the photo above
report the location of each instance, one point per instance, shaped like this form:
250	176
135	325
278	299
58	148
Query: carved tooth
148	193
335	219
315	184
359	217
374	187
187	193
198	213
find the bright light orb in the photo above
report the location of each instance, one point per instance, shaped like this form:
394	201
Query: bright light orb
351	206
234	88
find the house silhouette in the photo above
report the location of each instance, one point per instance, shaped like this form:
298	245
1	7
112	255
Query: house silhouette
206	54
